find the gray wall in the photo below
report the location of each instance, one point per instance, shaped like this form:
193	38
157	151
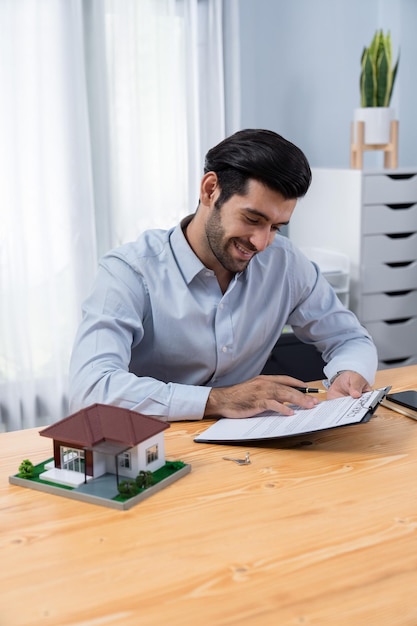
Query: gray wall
297	71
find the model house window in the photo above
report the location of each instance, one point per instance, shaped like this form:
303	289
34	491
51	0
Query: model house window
72	459
124	460
152	454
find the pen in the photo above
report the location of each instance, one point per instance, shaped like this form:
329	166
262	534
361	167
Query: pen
309	390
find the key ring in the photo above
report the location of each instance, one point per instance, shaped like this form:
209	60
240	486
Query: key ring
245	461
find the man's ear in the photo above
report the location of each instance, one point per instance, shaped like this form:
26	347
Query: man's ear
209	184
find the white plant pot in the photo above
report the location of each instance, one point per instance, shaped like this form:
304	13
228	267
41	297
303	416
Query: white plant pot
377	122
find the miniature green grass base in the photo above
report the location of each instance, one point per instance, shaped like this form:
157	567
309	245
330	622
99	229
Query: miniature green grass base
37	471
164	476
159	475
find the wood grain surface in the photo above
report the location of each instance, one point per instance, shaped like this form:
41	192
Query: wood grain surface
317	530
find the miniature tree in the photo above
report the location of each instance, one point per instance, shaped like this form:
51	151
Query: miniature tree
127	488
26	469
144	479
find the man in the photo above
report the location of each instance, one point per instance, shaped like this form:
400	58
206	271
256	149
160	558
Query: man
180	323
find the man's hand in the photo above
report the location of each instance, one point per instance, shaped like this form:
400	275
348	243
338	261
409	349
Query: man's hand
348	383
262	393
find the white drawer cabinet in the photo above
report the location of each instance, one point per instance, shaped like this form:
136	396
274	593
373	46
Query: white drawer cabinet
392	305
371	216
382	218
387	277
402	332
390	249
389	187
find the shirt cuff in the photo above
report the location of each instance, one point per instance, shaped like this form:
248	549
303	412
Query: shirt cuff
332	372
188	402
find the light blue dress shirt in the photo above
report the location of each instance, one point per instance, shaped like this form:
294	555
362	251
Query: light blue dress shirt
157	333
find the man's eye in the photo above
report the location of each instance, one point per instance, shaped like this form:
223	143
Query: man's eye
252	221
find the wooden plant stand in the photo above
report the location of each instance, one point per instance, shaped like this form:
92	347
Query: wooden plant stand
358	148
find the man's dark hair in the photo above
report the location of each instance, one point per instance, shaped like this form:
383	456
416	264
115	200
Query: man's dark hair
261	155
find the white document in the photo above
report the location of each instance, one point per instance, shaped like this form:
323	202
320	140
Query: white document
270	425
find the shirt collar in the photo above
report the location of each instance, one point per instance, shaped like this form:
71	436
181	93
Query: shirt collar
188	262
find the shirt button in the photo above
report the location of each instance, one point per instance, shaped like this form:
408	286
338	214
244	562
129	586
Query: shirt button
208	273
221	306
224	349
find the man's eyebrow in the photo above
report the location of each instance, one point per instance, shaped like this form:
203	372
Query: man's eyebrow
263	216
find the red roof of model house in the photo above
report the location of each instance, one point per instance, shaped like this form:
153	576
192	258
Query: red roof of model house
102	422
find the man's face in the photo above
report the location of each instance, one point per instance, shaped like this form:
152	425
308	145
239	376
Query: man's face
246	225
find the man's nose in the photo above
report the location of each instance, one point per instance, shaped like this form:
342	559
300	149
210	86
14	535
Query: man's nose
262	238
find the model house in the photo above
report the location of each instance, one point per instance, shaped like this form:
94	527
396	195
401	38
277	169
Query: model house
102	439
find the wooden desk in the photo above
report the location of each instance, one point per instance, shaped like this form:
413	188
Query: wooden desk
322	534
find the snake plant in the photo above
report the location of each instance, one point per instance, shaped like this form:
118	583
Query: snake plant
377	74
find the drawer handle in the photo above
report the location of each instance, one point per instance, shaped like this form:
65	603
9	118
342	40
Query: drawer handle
396	361
395	294
403	205
401	176
400	264
399	235
401	320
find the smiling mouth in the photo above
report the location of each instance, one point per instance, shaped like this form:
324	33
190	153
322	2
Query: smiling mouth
247	254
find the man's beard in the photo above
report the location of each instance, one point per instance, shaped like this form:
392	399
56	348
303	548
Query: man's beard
220	246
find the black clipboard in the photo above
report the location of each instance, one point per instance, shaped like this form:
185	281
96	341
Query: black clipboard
263	428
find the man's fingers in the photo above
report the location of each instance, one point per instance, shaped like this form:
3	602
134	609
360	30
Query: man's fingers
278	407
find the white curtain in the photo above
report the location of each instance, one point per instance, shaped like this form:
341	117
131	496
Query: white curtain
106	110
